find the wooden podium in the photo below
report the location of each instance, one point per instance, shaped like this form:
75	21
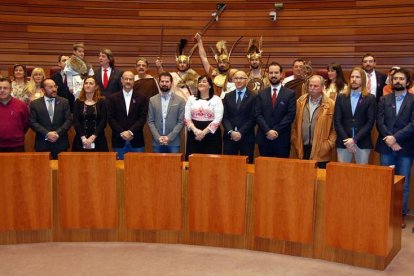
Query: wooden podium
217	200
359	215
153	197
87	208
25	198
284	194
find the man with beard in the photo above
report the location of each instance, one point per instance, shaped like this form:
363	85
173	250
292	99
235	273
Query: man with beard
275	112
144	84
257	79
375	80
50	118
127	114
220	76
238	118
166	117
354	119
185	79
395	123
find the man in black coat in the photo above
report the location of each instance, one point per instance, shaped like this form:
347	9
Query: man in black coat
238	118
107	76
50	118
275	112
375	80
127	114
60	80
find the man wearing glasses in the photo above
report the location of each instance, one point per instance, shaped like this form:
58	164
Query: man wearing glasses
238	119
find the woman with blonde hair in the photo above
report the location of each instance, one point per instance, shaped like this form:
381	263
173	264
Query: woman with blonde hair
89	118
32	90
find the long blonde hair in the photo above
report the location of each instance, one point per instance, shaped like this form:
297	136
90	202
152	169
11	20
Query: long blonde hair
31	85
364	89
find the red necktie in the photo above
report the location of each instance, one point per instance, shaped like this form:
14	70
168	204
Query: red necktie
105	78
274	96
369	82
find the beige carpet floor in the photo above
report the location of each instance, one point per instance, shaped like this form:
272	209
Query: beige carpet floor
160	259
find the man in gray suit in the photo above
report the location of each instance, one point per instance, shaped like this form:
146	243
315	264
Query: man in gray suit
50	118
166	117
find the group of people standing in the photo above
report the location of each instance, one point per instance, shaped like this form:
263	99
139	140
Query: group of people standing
305	112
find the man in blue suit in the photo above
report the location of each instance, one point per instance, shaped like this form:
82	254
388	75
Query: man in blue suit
395	123
275	112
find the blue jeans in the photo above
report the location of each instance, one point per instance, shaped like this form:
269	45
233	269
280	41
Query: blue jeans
361	155
127	148
166	149
402	167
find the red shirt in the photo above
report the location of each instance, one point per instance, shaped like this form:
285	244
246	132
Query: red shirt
14	122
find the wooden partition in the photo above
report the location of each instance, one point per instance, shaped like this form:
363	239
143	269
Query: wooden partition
153	197
284	194
359	215
25	198
87	196
217	200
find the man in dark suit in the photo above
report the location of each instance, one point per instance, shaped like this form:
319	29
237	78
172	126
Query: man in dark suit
354	117
60	80
50	118
107	76
375	80
275	112
238	118
395	123
127	114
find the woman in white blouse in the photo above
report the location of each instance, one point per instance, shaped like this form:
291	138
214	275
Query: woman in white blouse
203	114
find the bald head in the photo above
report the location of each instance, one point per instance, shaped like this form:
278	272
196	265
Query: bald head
127	81
240	79
315	86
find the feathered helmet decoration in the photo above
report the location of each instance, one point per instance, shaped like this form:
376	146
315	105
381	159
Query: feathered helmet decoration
222	55
180	56
254	51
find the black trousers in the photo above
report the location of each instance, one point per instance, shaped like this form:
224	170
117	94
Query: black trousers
241	147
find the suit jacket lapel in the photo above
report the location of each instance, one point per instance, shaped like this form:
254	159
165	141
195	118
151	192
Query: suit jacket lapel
244	100
403	104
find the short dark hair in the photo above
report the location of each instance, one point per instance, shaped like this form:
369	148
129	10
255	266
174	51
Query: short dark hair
210	92
5	79
165	74
60	57
407	74
298	60
368	55
274	63
42	84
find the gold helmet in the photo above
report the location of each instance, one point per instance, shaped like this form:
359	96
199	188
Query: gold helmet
180	56
254	51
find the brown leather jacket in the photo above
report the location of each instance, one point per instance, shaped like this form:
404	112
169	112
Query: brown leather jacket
324	134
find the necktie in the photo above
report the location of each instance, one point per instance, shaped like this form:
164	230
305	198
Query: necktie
65	79
274	96
369	82
50	109
239	100
105	78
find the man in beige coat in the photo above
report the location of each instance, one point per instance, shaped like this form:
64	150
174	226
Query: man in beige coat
313	135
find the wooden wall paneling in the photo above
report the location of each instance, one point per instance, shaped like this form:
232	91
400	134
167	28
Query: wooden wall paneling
217	200
284	205
153	197
25	198
87	197
369	233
